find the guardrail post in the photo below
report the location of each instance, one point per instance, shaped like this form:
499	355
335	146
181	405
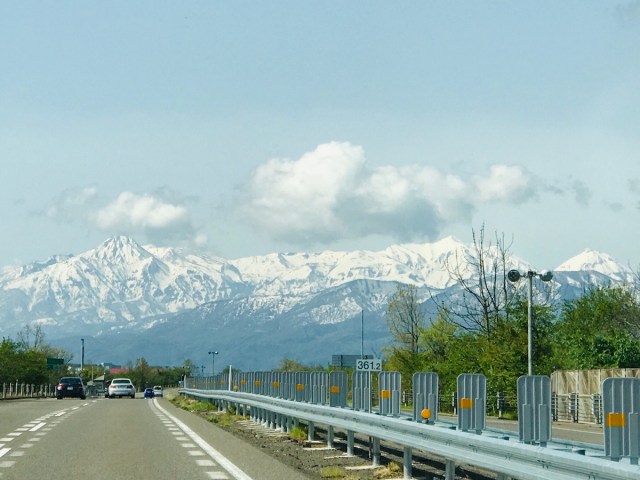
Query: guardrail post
406	463
449	470
310	431
350	442
375	451
330	436
289	424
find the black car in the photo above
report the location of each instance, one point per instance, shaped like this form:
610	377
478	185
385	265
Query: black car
70	387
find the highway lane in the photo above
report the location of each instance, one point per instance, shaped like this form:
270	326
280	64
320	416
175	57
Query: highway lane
123	439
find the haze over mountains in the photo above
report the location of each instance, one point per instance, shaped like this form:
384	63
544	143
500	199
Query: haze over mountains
128	301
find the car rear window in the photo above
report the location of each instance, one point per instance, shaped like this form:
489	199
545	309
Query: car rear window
123	381
70	380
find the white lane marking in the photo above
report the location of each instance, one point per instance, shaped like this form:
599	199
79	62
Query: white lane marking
206	463
38	427
217	476
6	439
196	453
7	464
21	429
188	445
14	434
212	452
3	451
60	414
17	453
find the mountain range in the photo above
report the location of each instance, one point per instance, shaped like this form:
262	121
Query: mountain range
130	301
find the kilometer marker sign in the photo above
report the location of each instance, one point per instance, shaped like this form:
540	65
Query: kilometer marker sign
369	365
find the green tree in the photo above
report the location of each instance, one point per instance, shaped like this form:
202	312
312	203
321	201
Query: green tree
405	319
290	365
141	374
601	329
406	322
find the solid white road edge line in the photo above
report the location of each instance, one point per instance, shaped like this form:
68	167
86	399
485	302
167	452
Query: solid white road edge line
212	452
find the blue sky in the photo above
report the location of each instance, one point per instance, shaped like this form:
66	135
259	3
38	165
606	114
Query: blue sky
245	128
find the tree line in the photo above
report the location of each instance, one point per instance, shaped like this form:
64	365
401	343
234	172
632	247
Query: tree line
24	360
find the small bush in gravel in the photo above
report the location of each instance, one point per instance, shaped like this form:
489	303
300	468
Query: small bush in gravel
391	470
332	472
299	434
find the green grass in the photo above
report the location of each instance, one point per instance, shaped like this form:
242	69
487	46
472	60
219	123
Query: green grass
332	472
298	433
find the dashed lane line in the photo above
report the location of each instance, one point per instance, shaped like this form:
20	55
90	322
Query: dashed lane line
207	449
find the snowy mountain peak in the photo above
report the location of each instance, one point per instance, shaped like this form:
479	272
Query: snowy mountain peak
591	260
124	250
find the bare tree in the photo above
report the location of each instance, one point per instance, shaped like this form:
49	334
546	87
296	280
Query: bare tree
405	319
484	292
31	338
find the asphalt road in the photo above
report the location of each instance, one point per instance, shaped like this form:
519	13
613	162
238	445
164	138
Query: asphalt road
121	439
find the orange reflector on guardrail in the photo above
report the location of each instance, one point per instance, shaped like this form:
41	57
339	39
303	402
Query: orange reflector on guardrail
615	420
300	386
334	389
258	383
385	394
276	384
425	413
466	403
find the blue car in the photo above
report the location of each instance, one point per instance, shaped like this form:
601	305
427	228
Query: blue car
148	393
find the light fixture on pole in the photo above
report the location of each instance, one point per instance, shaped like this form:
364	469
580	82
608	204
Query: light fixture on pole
514	276
213	362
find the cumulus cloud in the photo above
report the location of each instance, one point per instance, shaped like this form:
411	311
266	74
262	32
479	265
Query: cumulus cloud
130	211
331	193
160	217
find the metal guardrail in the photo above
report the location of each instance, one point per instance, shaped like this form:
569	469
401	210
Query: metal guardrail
26	390
508	459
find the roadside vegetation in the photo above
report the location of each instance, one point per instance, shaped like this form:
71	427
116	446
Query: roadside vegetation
483	327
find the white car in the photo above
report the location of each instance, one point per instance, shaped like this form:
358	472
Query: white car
157	391
121	387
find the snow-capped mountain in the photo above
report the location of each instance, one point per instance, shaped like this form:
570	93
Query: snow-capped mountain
169	302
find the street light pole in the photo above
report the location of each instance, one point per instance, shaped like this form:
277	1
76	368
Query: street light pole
530	275
514	276
213	362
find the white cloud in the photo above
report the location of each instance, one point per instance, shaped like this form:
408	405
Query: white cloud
505	183
161	217
330	194
130	211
